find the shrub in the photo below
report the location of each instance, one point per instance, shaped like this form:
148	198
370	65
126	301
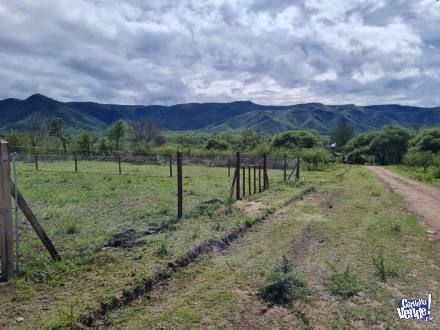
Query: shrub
282	285
162	248
382	270
343	283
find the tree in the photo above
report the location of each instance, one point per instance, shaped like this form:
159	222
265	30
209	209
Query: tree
216	144
315	157
57	130
415	158
342	135
249	139
85	143
16	140
390	145
146	130
295	139
428	140
117	131
358	148
34	131
387	146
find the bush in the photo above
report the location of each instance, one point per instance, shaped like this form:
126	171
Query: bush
316	158
162	248
343	283
282	285
382	270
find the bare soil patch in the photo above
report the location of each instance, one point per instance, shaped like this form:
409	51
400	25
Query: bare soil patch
251	207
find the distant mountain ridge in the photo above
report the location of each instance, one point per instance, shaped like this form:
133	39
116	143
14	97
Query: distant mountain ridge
16	114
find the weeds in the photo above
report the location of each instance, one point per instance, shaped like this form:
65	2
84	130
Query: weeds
343	283
396	228
72	228
162	248
382	270
282	285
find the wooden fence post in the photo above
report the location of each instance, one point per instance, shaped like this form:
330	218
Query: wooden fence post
285	167
171	166
265	186
233	184
249	180
36	162
6	238
76	162
255	179
229	166
119	165
179	186
259	178
237	169
297	170
244	181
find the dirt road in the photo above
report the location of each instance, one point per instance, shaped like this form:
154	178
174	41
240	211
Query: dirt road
422	199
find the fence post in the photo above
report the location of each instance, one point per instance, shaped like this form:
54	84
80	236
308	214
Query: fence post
237	169
229	166
119	164
285	167
17	216
6	239
297	170
76	162
249	180
259	178
265	172
171	166
179	186
244	181
255	179
36	162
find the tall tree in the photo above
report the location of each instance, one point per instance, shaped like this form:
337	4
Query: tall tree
57	130
146	130
85	143
117	131
35	132
342	135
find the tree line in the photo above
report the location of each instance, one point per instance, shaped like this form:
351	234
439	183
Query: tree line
391	145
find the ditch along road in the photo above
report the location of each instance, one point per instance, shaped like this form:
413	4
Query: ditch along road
422	199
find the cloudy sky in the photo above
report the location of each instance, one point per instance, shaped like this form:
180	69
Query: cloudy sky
178	51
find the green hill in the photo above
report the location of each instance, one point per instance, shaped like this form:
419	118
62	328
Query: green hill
17	114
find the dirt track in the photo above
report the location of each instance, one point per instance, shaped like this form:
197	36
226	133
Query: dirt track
421	198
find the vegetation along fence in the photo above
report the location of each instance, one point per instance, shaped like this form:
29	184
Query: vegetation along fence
195	180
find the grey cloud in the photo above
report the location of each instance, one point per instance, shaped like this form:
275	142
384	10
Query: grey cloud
272	52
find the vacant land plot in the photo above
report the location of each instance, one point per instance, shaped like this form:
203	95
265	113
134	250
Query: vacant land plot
106	228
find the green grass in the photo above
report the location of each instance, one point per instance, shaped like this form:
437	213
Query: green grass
82	212
332	247
418	173
330	236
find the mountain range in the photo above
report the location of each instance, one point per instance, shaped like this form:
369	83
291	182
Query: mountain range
16	114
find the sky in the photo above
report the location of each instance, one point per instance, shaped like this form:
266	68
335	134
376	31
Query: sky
274	52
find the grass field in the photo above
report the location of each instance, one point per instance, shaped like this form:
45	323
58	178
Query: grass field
335	231
430	176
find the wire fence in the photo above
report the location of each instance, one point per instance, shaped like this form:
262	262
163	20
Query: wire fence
157	165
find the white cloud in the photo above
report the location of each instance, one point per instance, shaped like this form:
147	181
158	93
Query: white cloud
326	76
272	52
